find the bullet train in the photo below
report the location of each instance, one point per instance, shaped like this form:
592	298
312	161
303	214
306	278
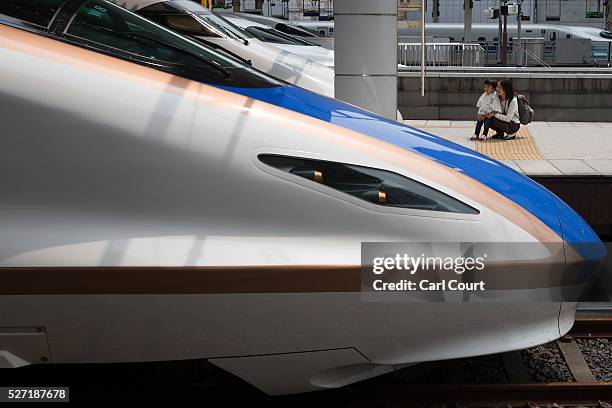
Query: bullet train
189	18
284	41
292	64
278	24
601	40
162	201
287	27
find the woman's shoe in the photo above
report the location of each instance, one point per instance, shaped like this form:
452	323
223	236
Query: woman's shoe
482	138
474	137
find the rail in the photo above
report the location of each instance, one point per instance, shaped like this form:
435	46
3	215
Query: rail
518	390
442	54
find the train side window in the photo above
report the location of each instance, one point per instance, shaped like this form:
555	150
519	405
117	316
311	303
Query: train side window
37	12
376	186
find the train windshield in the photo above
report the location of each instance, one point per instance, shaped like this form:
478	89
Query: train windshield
296	30
606	34
103	25
274	36
229	29
187	17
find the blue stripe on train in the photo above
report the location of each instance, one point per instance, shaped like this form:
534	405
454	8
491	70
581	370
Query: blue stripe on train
522	190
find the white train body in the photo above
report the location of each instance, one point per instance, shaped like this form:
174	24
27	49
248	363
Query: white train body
311	51
191	19
601	40
138	221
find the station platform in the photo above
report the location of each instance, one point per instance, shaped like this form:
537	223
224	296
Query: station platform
541	149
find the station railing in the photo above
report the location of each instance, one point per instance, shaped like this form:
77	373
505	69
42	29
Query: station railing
536	52
442	54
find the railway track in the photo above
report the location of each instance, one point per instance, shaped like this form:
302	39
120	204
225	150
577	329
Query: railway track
581	389
592	326
439	384
462	395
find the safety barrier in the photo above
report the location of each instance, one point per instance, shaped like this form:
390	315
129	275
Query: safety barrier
442	54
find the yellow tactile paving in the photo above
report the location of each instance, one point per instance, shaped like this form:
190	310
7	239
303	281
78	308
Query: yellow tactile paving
523	147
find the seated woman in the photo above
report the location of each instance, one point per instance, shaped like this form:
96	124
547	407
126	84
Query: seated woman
505	118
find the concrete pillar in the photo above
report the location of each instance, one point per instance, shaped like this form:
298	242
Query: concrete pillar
467	21
366	54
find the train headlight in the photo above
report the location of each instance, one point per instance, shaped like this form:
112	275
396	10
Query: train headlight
308	172
376	186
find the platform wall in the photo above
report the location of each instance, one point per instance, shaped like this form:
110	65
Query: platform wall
554	98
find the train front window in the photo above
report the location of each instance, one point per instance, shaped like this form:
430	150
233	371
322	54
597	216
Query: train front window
218	23
127	35
276	37
184	24
228	28
606	34
298	31
181	16
37	12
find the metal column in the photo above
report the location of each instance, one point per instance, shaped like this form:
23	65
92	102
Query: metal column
504	49
423	46
609	15
499	35
467	21
366	54
435	9
519	19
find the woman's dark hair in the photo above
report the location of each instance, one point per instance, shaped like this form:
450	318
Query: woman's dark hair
508	88
491	82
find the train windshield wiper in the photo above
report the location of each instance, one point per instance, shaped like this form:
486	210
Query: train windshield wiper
131	34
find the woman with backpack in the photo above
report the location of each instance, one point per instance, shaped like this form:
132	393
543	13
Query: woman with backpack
505	118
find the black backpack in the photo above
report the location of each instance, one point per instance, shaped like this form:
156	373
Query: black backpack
525	111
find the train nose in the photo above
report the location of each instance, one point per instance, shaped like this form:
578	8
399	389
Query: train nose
584	251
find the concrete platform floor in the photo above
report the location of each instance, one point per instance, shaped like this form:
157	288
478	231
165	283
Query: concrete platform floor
541	148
